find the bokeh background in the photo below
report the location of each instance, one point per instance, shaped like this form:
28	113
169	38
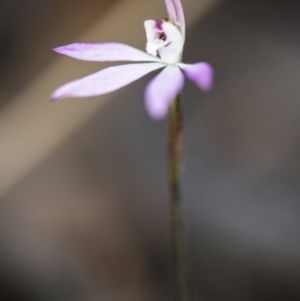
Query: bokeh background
83	197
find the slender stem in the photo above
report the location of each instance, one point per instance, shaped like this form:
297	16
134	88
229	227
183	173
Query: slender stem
182	283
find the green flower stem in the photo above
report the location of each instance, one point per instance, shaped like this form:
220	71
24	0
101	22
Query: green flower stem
181	277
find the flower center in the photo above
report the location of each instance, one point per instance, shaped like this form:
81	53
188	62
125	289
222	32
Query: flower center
164	39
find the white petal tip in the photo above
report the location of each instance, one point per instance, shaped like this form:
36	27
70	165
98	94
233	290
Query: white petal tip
55	98
59	95
57	49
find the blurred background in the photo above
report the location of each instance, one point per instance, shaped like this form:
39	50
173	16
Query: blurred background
84	204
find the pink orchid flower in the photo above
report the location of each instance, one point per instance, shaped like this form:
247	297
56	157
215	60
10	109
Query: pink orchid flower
165	41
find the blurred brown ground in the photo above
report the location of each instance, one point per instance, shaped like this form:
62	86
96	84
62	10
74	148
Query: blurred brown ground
91	221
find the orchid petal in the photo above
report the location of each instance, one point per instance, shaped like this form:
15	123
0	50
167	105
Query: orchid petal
171	10
162	90
103	52
105	81
176	14
202	74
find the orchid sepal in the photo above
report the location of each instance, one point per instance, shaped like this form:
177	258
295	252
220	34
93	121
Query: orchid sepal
105	52
176	14
202	74
105	81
